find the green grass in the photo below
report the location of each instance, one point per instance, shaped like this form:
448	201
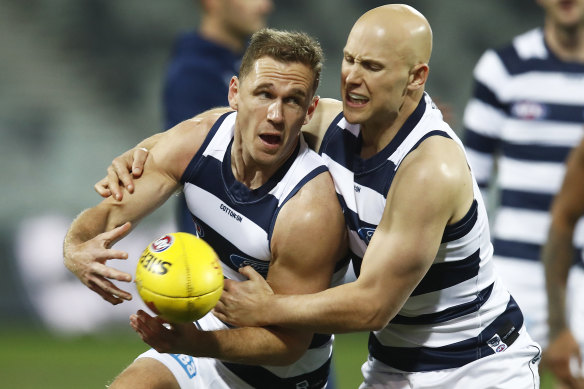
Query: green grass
31	358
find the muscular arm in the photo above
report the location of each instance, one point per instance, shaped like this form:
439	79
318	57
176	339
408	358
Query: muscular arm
308	239
567	208
432	188
88	242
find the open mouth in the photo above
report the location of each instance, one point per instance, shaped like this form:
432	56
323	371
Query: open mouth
356	99
270	139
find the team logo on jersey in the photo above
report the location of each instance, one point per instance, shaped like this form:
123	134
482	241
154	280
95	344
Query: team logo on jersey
496	344
199	230
162	243
366	233
529	110
259	266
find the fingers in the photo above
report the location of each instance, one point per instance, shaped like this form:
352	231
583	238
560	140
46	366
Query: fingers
105	287
140	155
102	188
113	182
250	273
112	236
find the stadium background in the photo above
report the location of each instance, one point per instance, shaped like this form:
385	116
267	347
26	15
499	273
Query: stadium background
80	82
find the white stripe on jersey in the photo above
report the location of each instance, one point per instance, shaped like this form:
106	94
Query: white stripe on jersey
401	335
442	299
242	233
530	176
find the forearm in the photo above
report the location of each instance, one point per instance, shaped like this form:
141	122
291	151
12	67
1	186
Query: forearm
250	345
345	308
557	258
87	225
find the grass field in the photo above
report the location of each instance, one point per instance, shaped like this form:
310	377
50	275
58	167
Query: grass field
33	359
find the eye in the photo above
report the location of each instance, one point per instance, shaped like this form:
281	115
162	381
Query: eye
293	100
264	94
349	59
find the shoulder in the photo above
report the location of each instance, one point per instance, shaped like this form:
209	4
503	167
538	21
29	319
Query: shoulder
177	146
314	204
438	165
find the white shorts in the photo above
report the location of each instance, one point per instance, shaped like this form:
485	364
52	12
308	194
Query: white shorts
514	368
525	280
199	373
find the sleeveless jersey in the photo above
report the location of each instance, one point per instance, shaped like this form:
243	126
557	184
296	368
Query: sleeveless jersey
459	312
525	115
238	223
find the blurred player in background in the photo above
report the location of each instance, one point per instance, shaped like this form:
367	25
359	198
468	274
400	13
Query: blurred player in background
203	62
564	352
524	118
258	196
439	315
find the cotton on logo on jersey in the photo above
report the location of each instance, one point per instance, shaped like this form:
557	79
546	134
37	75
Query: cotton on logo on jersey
230	212
529	110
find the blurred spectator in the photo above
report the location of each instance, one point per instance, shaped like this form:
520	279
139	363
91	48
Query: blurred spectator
563	353
204	61
524	119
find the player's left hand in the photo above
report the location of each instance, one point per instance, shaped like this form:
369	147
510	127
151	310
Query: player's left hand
162	336
241	303
121	173
562	351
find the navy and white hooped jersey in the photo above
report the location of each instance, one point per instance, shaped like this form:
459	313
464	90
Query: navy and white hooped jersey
459	310
238	223
526	115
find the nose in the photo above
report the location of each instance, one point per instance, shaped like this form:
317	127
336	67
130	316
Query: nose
352	74
275	113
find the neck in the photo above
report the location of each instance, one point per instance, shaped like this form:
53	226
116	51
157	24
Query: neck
212	30
376	136
248	171
567	43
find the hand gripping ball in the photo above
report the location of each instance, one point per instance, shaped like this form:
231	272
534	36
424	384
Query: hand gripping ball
179	277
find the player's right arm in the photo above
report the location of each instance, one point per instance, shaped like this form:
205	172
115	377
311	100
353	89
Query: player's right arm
130	165
88	242
567	208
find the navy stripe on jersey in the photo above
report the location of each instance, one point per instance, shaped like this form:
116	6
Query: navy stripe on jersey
415	359
260	378
308	177
514	249
487	96
463	226
447	314
479	142
527	251
526	200
198	157
535	152
446	274
516	65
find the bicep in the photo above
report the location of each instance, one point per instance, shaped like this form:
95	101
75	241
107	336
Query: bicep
308	240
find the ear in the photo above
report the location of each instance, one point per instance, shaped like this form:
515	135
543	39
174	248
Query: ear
418	76
311	109
233	92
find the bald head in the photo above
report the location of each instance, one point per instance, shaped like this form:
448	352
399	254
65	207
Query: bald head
399	28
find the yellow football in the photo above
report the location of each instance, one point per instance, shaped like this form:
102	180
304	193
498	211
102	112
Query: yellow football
179	277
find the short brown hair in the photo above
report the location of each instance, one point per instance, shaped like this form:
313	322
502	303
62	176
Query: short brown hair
285	46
